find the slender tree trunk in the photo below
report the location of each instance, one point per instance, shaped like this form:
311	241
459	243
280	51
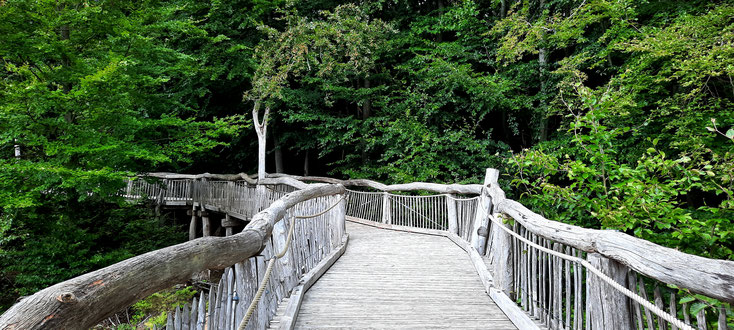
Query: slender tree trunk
278	152
366	113
305	164
367	105
503	9
543	64
261	129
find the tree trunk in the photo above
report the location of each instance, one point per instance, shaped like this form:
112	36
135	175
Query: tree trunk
278	152
543	66
367	105
366	113
261	129
305	164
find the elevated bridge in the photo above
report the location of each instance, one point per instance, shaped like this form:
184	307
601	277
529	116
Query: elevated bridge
317	255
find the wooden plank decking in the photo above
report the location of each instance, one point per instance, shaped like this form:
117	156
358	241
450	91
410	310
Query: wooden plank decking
391	279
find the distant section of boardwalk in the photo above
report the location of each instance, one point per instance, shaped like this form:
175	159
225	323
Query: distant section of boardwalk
391	279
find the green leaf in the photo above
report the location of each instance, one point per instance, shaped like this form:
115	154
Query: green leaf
686	299
697	307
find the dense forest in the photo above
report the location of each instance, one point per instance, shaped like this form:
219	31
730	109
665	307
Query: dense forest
613	114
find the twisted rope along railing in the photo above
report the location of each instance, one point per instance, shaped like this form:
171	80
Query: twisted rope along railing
654	309
271	262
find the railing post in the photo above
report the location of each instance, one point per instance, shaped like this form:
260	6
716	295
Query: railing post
205	223
386	216
228	225
192	224
339	222
606	307
452	216
481	221
500	256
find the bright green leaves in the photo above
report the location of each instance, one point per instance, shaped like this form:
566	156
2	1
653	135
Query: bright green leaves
590	183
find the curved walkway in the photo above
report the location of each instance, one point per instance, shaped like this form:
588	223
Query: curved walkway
392	279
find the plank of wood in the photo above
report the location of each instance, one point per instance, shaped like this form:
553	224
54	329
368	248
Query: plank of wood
288	319
390	279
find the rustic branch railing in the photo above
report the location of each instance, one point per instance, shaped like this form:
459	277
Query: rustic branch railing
551	272
82	302
539	271
313	239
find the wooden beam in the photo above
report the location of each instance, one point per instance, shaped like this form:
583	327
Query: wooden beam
468	189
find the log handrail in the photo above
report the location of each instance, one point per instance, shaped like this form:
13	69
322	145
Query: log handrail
298	182
709	277
83	301
464	189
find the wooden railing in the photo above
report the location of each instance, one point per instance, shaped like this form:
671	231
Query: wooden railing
82	302
547	269
227	301
540	272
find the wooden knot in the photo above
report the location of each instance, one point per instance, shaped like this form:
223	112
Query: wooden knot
67	298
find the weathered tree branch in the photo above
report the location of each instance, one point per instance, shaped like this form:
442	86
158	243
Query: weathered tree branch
82	302
710	277
475	189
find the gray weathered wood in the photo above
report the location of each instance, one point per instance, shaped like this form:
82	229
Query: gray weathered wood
452	215
701	319
662	325
710	277
500	256
389	279
722	319
192	224
480	232
287	320
608	308
464	189
643	294
386	213
85	300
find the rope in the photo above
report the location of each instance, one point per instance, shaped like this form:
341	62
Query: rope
644	302
463	199
271	262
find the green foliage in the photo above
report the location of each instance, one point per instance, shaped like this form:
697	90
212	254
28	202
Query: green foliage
155	307
591	185
63	238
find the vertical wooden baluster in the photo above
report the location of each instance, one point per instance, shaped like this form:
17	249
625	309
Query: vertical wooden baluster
185	317
568	288
673	308
662	325
535	279
632	279
559	286
701	319
169	322
194	313
209	321
643	294
686	316
177	319
578	312
722	319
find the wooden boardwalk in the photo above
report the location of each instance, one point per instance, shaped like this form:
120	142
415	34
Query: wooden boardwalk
392	279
